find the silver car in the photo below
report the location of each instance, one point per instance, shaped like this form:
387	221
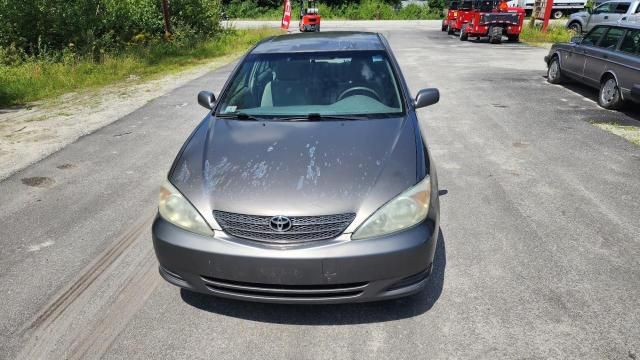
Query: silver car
607	58
309	181
608	12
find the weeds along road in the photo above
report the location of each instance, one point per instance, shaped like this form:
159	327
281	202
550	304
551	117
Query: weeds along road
539	258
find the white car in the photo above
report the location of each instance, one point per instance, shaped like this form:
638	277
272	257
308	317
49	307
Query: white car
608	12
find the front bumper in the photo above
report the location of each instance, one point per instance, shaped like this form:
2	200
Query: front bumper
335	271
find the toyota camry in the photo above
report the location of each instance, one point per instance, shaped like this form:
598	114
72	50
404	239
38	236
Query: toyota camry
309	181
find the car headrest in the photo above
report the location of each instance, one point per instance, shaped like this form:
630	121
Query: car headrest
291	70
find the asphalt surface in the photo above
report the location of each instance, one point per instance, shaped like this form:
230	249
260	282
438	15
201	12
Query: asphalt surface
539	255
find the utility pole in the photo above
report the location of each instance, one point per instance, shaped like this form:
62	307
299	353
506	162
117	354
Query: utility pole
167	19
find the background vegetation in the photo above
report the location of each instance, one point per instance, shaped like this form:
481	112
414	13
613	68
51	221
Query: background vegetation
48	47
336	9
554	34
40	77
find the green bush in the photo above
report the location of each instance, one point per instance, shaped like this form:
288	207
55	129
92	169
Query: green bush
554	34
46	27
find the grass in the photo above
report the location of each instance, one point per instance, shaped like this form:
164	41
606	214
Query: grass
628	132
554	34
39	78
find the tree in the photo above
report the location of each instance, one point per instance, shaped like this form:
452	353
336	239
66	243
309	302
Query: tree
167	19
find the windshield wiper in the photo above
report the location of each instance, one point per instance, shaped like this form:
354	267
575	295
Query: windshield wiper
240	116
317	117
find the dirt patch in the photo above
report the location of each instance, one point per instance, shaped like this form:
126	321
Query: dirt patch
39	181
520	144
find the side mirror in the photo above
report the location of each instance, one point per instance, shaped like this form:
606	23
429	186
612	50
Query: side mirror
427	97
206	99
576	40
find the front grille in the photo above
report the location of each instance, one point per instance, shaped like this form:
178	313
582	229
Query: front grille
303	228
275	292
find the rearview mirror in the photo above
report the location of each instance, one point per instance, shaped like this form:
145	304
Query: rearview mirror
576	39
206	99
427	97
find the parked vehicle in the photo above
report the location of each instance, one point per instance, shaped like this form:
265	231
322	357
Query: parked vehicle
309	17
459	16
487	20
560	7
610	11
607	58
452	12
308	182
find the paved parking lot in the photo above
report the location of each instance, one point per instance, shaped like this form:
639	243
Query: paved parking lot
539	255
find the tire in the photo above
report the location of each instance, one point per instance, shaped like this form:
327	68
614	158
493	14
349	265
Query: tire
318	28
514	38
609	96
444	27
576	27
464	35
557	14
495	35
554	72
450	30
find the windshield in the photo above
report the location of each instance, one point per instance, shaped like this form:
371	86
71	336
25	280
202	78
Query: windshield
346	83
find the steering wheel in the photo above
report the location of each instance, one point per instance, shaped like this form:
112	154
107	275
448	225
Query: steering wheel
367	90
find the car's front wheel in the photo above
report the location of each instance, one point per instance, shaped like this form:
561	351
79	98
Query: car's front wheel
575	27
554	72
610	97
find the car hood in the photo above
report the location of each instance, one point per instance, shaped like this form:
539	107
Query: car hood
296	168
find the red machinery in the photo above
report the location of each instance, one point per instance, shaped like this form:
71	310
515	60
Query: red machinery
309	17
452	12
493	19
460	13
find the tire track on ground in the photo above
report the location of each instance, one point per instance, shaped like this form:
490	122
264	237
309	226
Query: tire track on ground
53	332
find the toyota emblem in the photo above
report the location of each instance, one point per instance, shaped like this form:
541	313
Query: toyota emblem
280	223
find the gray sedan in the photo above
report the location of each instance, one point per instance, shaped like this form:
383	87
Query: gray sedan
607	58
309	181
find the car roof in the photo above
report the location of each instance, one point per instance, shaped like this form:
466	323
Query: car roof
320	41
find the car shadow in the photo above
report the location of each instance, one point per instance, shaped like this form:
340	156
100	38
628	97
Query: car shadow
341	314
630	110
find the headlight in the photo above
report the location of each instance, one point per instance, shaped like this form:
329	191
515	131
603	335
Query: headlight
174	208
406	210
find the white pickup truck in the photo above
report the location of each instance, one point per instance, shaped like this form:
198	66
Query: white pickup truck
560	7
607	12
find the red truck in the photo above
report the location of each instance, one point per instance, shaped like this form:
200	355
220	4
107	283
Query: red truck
493	19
